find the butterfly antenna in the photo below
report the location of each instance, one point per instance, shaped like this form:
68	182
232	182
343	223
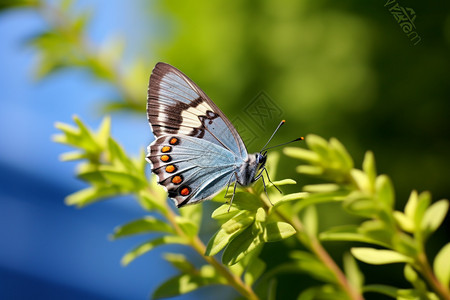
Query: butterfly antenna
297	139
278	127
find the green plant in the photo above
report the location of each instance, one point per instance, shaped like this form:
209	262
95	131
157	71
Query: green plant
252	221
396	236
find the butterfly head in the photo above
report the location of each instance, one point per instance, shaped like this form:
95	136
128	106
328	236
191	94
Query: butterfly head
261	159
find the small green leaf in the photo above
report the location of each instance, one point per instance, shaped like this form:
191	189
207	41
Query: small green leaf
281	182
310	220
382	289
90	195
361	204
254	270
404	222
144	225
370	169
278	231
423	201
121	178
319	145
379	256
149	245
103	133
362	181
310	170
441	265
322	188
353	273
349	233
227	232
185	283
411	205
385	191
180	262
341	154
434	216
303	154
241	246
192	213
187	226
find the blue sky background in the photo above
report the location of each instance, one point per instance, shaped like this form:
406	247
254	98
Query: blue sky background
49	250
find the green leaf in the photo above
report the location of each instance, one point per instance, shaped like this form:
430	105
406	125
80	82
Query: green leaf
319	145
353	273
441	265
186	283
361	204
90	195
144	225
305	262
303	154
322	188
277	231
187	226
362	181
316	198
310	220
120	178
423	201
385	191
192	213
404	221
254	270
310	170
228	231
341	155
180	262
411	207
370	169
241	246
281	182
379	256
382	289
349	233
434	216
149	245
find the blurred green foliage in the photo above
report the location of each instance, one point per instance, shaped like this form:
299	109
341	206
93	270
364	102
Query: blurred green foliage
343	69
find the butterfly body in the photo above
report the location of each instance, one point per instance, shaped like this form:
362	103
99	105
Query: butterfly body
197	151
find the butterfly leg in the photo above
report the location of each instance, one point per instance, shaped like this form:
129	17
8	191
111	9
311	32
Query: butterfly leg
234	191
267	173
265	190
228	185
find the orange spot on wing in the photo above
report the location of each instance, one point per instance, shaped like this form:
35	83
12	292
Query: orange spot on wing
173	141
170	169
185	191
177	179
165	158
166	149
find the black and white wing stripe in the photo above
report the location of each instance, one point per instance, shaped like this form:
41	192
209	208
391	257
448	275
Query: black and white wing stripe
177	106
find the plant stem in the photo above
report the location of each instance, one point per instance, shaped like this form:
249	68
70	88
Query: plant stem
428	274
233	280
314	245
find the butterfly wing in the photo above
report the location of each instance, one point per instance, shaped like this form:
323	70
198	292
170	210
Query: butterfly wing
191	169
177	106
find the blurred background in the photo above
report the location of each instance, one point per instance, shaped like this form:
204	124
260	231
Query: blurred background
343	69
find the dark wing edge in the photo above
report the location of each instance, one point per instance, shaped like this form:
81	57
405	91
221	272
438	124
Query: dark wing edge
158	72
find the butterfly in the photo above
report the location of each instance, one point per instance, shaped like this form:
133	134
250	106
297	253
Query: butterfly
196	151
